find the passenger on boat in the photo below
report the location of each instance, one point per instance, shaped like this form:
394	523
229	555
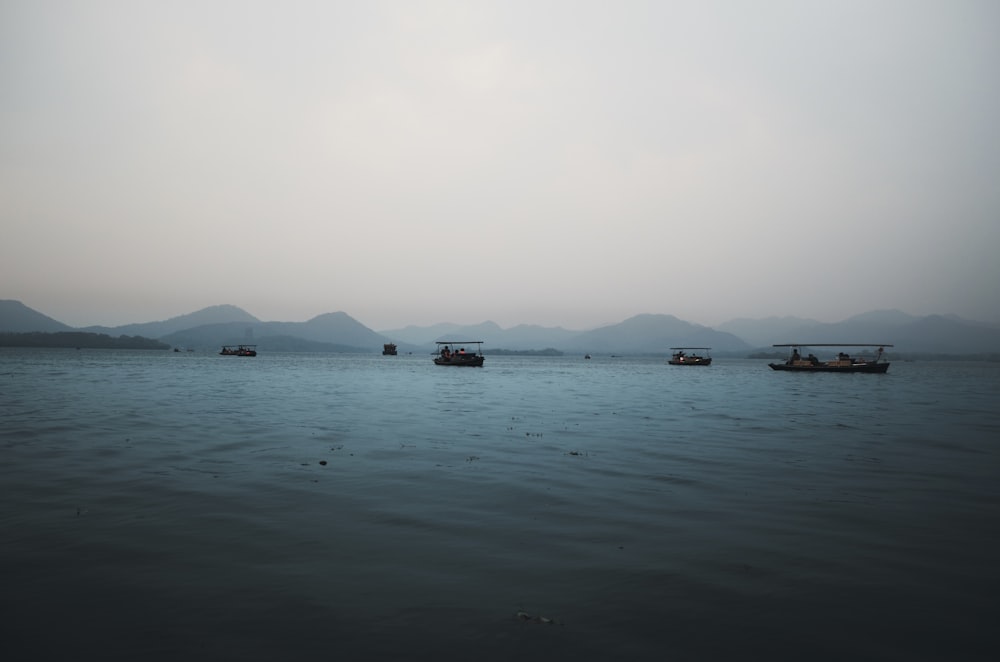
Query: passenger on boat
795	356
446	354
812	359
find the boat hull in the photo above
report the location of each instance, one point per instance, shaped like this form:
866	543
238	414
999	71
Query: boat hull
241	351
691	361
469	361
821	367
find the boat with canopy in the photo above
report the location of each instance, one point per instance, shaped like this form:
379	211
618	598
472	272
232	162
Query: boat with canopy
681	357
453	352
843	362
239	350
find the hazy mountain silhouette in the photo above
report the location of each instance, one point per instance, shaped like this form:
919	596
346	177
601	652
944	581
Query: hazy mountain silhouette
767	331
212	336
640	334
881	318
877	326
336	327
337	332
945	334
427	335
211	315
15	317
657	334
531	336
211	327
933	334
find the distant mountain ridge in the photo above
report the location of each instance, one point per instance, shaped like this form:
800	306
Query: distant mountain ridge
763	332
15	317
211	315
330	332
655	333
211	327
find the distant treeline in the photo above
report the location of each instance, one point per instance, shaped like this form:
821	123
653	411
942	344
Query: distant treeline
78	339
524	352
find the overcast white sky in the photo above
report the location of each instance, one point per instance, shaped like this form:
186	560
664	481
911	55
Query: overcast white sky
556	163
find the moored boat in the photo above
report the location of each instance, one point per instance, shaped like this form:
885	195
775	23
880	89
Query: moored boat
239	350
844	362
681	357
453	353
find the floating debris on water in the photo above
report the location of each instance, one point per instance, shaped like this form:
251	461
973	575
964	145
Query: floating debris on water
538	620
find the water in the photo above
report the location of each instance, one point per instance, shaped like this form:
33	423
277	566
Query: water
189	506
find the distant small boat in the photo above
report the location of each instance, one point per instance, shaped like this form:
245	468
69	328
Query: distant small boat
239	350
586	356
453	353
681	357
843	363
389	349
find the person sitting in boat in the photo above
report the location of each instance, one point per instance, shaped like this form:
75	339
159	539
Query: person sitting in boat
446	354
812	359
843	356
795	356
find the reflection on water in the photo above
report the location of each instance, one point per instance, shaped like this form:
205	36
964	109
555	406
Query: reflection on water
191	506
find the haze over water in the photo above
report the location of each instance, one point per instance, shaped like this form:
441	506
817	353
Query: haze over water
176	506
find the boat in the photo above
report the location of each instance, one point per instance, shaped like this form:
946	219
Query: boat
843	363
389	349
681	357
239	350
450	352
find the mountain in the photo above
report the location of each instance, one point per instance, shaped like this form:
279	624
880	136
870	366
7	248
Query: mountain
948	335
530	336
211	327
427	335
336	327
334	332
765	332
423	335
882	318
15	317
656	334
212	315
932	334
520	337
213	336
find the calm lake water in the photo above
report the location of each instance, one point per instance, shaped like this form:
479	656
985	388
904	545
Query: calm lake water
189	506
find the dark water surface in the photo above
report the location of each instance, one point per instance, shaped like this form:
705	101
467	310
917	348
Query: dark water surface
176	507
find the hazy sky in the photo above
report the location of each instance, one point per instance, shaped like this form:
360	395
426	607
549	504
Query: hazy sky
557	163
